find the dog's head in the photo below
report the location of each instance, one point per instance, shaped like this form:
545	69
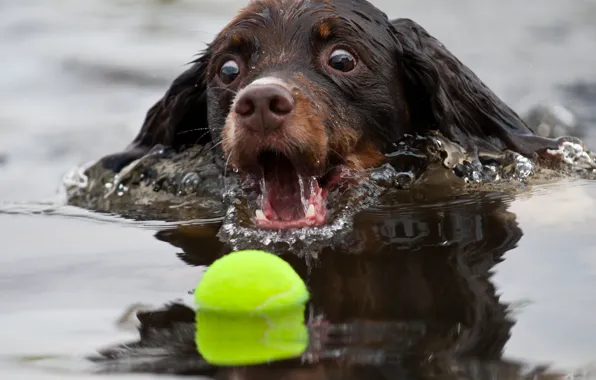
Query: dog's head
298	91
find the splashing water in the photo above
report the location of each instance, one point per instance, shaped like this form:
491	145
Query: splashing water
162	185
193	180
239	233
574	154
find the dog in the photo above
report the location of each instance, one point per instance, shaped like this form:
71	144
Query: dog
297	94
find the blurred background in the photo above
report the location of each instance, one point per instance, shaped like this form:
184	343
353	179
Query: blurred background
78	76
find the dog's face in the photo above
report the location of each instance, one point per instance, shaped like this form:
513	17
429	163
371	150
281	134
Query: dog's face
299	91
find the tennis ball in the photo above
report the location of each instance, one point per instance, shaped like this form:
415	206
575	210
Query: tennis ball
250	310
250	281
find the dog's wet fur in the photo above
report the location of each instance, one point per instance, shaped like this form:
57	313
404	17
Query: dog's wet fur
299	95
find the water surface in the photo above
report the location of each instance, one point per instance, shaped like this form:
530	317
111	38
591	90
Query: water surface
77	79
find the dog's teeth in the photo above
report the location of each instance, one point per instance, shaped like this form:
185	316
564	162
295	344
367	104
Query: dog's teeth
310	212
260	215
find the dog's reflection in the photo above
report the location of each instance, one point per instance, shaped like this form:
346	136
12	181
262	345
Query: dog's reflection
408	291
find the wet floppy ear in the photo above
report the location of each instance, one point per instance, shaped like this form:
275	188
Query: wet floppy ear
178	118
443	94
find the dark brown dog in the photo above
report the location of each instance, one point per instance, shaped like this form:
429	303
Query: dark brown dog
295	93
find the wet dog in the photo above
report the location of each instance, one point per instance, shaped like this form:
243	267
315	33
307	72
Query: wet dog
297	93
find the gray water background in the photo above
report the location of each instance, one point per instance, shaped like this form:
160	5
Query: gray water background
76	79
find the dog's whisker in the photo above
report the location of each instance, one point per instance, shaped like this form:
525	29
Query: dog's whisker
341	156
215	145
192	130
229	155
201	136
234	92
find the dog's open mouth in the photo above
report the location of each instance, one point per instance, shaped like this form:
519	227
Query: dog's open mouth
290	198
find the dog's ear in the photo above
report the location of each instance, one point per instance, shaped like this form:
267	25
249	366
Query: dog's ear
445	95
178	118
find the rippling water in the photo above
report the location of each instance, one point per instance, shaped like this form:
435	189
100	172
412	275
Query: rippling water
77	78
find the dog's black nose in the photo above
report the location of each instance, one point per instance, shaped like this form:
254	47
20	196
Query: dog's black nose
264	107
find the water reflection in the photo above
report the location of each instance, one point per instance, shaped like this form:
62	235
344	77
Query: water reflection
245	339
407	293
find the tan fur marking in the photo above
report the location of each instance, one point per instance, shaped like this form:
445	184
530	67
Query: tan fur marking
324	30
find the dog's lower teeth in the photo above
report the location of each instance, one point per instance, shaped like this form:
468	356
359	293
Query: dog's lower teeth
310	212
260	215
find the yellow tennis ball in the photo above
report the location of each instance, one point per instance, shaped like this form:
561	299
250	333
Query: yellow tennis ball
250	281
250	310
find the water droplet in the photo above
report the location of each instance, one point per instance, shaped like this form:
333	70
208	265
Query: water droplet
190	183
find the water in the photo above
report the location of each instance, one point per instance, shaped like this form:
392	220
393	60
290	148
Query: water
77	78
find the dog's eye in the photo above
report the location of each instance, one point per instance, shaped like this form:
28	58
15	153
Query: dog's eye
229	71
341	60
